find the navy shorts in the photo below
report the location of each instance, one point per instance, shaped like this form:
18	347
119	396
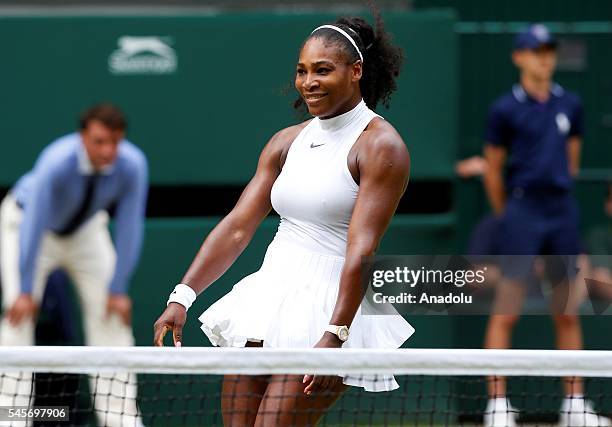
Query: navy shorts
543	222
483	240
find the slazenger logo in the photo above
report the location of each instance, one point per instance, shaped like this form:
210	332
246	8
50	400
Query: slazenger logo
143	55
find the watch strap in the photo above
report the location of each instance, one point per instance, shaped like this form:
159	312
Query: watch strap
335	329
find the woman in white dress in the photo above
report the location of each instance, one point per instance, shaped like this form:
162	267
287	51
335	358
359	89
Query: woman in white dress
335	181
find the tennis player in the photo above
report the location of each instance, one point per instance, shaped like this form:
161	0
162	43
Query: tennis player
335	181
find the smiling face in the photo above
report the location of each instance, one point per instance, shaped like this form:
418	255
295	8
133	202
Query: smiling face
326	81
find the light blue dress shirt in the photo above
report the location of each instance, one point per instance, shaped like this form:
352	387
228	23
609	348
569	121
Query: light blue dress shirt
53	190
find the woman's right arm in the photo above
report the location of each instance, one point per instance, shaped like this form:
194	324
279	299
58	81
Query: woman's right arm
231	236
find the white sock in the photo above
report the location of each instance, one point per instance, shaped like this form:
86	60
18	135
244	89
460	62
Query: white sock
500	402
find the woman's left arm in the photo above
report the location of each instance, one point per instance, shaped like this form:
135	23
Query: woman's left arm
384	167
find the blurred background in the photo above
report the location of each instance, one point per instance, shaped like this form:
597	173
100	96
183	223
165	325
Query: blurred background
206	83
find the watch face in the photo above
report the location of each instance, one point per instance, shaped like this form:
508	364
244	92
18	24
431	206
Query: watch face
343	333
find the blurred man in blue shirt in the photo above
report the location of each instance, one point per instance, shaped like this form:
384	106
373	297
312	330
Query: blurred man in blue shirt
534	135
56	216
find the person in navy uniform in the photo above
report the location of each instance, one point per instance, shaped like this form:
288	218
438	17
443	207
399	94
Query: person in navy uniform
533	142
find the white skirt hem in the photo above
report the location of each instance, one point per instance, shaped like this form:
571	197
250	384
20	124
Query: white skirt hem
288	304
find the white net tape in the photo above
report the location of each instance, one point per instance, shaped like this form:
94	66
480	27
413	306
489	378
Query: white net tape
584	363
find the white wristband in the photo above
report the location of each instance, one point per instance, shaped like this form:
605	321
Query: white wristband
182	294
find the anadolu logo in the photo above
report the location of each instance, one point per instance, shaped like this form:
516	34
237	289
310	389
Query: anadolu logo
143	55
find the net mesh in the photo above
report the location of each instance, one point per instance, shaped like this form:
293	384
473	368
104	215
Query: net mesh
240	387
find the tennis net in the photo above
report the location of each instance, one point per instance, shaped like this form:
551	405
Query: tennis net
184	386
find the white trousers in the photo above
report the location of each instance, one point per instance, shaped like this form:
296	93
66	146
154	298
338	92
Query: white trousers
88	256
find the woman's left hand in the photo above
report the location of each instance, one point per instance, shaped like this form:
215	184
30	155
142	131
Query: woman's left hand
320	383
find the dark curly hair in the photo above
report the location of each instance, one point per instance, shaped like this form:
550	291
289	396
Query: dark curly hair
381	59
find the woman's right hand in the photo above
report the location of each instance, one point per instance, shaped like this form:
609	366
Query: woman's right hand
172	319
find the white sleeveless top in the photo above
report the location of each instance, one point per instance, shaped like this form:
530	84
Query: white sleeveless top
315	192
288	302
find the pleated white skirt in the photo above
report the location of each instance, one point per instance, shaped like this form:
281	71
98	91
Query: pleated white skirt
288	302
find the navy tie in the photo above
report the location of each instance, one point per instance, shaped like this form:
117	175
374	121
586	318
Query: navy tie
79	215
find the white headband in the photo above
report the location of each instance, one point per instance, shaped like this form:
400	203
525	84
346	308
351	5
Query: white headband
345	34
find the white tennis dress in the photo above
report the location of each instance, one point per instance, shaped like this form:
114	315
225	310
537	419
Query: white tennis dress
289	301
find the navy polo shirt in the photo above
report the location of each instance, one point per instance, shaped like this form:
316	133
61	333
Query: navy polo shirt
536	136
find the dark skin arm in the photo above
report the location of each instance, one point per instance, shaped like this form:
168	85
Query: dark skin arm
382	165
232	235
